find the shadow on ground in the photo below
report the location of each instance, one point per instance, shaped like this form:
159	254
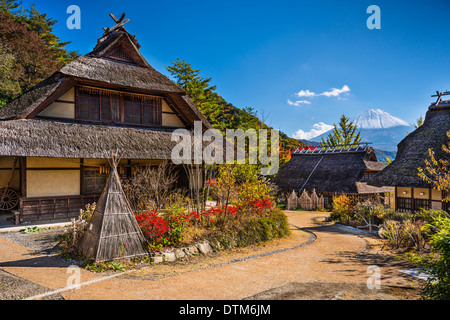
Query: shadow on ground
335	291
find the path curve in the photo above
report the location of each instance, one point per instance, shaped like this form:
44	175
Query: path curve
332	258
325	265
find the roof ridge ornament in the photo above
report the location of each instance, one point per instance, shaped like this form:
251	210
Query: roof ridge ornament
439	95
119	22
341	148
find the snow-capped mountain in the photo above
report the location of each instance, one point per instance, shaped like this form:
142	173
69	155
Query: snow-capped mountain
379	119
380	128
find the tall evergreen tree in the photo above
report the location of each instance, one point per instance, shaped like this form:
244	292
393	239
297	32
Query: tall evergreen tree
346	134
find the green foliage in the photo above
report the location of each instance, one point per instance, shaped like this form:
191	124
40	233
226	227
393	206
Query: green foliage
29	50
31	229
436	264
221	114
272	226
343	209
346	134
403	234
437	171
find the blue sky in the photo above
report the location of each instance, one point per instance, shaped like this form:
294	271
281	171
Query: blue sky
273	55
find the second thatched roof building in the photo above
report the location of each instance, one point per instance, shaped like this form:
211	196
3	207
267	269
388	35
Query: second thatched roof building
331	171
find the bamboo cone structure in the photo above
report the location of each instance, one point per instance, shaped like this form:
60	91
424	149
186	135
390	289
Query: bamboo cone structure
113	232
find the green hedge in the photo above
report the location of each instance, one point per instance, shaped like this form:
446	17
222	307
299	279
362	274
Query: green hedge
255	231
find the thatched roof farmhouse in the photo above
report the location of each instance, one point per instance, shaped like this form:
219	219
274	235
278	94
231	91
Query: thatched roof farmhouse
331	171
412	193
53	138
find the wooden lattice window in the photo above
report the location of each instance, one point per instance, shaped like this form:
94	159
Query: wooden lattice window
96	104
140	109
404	204
93	180
421	203
120	55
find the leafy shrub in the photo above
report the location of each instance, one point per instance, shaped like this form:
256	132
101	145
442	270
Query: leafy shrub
271	226
403	234
343	209
153	226
437	263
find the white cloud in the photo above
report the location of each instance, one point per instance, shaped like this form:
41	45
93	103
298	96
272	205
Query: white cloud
305	93
298	102
336	92
317	130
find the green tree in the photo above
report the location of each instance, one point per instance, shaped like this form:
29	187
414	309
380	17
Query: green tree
30	50
9	86
436	171
221	114
346	134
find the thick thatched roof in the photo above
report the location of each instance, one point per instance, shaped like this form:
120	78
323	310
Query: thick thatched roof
61	139
119	73
44	138
102	68
413	150
339	172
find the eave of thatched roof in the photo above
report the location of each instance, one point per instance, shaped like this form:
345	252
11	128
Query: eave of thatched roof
43	138
63	139
30	100
335	172
413	150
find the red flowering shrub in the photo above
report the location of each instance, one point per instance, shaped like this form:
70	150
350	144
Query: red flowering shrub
153	226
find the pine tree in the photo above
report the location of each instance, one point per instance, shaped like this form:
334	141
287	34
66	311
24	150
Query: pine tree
345	135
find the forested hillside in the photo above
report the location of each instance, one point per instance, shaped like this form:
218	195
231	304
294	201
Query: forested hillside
220	113
29	50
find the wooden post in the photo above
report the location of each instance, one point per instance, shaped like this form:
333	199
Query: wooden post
23	176
430	203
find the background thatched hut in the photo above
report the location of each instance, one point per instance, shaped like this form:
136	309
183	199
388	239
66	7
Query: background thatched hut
411	192
331	172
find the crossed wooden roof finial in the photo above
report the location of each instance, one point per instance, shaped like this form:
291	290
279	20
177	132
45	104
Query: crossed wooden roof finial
119	22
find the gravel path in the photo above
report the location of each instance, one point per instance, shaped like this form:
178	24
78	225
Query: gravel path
332	266
44	241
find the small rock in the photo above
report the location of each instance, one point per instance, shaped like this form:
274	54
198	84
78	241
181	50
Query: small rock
191	250
157	259
169	256
204	247
179	253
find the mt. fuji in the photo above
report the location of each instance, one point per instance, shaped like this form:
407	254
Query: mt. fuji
378	119
380	128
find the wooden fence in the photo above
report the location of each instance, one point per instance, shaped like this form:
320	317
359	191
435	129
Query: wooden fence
305	201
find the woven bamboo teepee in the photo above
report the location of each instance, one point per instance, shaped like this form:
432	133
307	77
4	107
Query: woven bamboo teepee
113	232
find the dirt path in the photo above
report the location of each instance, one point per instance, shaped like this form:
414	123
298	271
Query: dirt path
326	262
